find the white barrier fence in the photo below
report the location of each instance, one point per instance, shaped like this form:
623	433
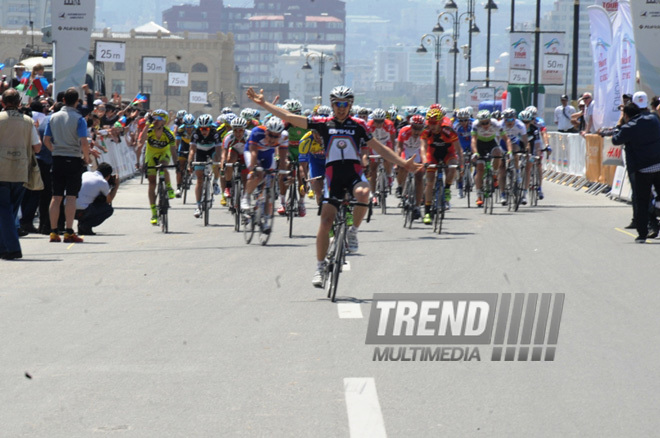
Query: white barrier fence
121	157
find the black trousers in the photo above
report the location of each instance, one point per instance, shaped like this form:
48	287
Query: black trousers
642	183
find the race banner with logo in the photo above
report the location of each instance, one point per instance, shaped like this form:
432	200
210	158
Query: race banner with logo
521	49
624	44
553	68
611	6
606	97
646	25
72	23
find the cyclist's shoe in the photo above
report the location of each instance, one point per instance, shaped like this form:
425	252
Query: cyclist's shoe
427	219
227	193
178	193
496	184
399	191
54	237
447	194
541	193
349	218
416	214
216	189
374	201
310	194
223	200
302	211
352	240
170	193
245	205
154	220
523	200
317	280
503	196
480	201
281	210
198	212
72	238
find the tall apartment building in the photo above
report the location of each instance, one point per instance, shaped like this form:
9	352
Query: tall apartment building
18	13
258	30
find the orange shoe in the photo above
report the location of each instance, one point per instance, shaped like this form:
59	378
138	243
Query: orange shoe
480	201
54	237
72	238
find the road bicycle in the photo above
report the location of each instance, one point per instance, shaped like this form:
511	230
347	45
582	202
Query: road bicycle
235	192
439	201
162	196
488	187
408	200
186	182
207	187
468	177
292	195
512	184
257	217
382	183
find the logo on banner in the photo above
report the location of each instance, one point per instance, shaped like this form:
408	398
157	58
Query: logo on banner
519	49
552	46
516	326
610	6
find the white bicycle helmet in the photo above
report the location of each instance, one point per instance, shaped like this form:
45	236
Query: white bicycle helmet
205	121
324	110
483	115
292	105
239	123
341	93
275	124
379	114
189	120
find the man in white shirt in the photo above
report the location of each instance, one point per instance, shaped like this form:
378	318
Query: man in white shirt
563	115
93	205
588	114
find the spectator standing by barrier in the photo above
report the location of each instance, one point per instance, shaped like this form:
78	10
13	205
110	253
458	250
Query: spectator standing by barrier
588	114
577	119
640	136
563	115
17	136
66	136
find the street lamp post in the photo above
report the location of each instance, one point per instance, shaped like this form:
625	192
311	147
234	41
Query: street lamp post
436	37
474	30
490	7
456	18
321	58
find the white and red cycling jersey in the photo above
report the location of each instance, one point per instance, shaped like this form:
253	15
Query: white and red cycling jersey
410	144
383	133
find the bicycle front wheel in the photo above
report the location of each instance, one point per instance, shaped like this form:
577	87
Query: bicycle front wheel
163	205
236	203
205	203
291	205
338	263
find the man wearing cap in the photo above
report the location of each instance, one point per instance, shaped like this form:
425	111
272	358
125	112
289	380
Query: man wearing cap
563	115
640	136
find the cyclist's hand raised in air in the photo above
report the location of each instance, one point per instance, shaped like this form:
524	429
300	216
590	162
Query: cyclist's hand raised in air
255	97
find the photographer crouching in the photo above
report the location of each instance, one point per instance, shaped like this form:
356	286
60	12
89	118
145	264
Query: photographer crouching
93	205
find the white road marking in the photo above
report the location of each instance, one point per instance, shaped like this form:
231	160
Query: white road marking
347	266
349	310
364	416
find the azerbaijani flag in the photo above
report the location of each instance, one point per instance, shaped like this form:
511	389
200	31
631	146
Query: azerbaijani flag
25	79
38	87
139	99
121	123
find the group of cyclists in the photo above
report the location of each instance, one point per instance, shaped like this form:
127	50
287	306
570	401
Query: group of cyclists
334	150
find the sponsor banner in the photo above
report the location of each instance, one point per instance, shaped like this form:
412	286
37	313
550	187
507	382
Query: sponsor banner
72	23
624	43
521	49
553	67
606	96
646	24
609	5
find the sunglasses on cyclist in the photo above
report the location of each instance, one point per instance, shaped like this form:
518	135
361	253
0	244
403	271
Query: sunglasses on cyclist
485	123
273	135
341	104
204	128
417	127
510	119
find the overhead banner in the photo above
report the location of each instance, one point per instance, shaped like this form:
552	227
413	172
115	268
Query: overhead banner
553	67
646	25
624	48
606	96
72	23
521	49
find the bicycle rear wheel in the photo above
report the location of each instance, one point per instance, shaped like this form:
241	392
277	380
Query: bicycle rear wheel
186	181
533	187
467	184
383	192
291	205
236	204
440	214
266	220
163	205
206	202
249	222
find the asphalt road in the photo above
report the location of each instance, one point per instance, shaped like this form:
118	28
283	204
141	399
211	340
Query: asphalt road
195	333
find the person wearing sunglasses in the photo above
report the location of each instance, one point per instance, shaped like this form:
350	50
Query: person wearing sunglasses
439	144
517	133
204	144
486	135
343	137
588	114
263	142
409	144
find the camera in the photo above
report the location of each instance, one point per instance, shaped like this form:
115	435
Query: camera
112	180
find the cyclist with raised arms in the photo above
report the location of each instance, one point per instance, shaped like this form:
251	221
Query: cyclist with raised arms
160	149
517	133
409	144
486	133
183	136
342	138
204	144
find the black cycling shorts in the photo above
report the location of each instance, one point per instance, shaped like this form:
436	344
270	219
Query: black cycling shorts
342	177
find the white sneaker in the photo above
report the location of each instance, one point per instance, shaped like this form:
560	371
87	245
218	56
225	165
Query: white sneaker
245	205
317	280
198	212
351	237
